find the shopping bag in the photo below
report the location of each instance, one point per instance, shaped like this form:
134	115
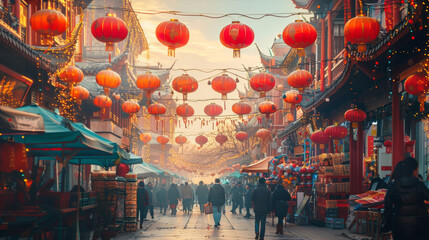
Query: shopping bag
172	206
208	208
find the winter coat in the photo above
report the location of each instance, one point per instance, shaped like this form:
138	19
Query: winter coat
237	193
280	198
150	193
161	196
261	198
404	203
202	194
217	195
173	195
248	197
142	198
186	192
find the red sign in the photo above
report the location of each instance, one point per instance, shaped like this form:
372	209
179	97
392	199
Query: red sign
386	168
370	145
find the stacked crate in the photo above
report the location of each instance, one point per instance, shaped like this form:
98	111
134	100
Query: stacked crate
105	185
131	203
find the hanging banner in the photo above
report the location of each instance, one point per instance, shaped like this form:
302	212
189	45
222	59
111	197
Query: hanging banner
370	145
307	150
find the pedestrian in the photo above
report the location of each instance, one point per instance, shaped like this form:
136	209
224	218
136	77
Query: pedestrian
202	195
230	193
173	198
162	199
142	201
217	199
280	199
227	188
187	194
149	207
261	198
405	210
248	199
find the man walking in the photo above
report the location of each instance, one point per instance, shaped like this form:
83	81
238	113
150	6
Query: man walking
202	195
217	199
161	196
142	201
187	195
261	198
248	199
149	207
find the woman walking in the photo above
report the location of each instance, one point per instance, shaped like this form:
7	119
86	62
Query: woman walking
173	198
280	199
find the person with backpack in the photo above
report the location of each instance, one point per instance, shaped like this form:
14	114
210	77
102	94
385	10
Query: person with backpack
261	198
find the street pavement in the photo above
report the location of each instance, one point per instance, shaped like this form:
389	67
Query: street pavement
200	226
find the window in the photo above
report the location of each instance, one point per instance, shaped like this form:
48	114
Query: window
338	44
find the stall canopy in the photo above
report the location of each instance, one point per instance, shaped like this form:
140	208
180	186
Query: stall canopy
15	121
143	172
259	167
152	167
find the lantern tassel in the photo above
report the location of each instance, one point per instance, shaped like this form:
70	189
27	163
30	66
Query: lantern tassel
301	52
236	53
422	99
171	52
362	48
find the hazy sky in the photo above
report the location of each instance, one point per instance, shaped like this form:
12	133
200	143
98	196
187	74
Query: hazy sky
204	50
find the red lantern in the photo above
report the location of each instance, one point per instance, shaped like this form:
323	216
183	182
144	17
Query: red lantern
241	136
13	157
262	83
162	139
130	107
236	36
72	75
361	30
148	82
263	134
319	137
223	84
292	97
181	140
212	174
299	35
110	30
336	132
241	108
108	79
102	101
409	144
201	140
156	109
300	79
172	34
290	117
221	139
145	137
122	170
48	22
185	111
355	116
267	107
213	110
185	84
418	84
80	93
388	145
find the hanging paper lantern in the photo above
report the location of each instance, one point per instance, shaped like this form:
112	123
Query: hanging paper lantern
108	79
388	145
262	83
223	84
201	140
172	34
212	174
48	22
102	101
122	170
292	97
263	134
236	36
162	139
185	111
299	35
148	82
355	116
361	30
241	136
319	137
110	30
185	84
418	84
221	139
213	110
409	144
336	132
156	109
145	137
80	93
267	108
130	107
181	140
13	157
300	79
72	75
241	108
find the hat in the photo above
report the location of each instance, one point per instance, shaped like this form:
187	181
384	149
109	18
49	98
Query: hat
261	180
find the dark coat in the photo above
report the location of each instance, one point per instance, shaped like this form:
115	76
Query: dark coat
142	198
261	198
173	195
404	202
217	195
280	198
248	197
202	194
161	196
237	193
150	194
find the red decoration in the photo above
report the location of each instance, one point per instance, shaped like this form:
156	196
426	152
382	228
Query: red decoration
13	157
110	30
336	132
223	84
418	84
130	107
319	137
361	30
355	116
213	110
212	174
263	134
221	139
72	75
185	84
241	136
148	82
236	36
48	22
108	79
80	93
122	170
300	79
409	144
156	109
185	111
388	145
162	139
241	108
267	107
299	35
201	140
262	83
172	34
145	137
102	101
181	140
292	97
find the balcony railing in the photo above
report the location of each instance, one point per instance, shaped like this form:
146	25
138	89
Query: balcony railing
95	52
9	21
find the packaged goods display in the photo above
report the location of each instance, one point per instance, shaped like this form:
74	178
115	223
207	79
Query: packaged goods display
131	203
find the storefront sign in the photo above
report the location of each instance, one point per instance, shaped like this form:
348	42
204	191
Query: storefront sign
307	149
370	145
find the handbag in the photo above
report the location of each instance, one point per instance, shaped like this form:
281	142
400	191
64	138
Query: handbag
208	208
